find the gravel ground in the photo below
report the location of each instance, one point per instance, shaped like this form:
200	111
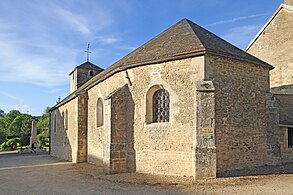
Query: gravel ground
43	174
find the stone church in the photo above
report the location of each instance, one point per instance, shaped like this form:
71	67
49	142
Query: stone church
185	103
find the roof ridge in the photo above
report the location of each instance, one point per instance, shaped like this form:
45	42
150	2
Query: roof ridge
194	34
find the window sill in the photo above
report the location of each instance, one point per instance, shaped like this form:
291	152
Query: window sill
152	125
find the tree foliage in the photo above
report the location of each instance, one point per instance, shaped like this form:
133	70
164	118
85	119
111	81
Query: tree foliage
43	127
43	121
15	124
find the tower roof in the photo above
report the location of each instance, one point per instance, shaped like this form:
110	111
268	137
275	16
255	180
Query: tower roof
87	65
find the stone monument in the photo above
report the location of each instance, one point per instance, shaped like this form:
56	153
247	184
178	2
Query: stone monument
33	138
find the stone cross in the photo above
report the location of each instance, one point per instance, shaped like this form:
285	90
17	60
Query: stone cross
33	138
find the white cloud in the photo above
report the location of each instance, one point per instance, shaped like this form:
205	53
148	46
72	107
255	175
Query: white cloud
21	107
125	47
42	46
75	21
236	19
8	95
95	20
107	39
40	67
241	36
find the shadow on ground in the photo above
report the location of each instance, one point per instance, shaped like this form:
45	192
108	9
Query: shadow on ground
264	170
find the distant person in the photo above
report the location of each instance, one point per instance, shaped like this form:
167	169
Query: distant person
33	148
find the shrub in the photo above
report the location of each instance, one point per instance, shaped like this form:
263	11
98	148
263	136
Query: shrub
11	143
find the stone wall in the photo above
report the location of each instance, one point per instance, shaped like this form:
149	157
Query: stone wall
122	154
205	150
240	110
287	153
210	130
160	148
273	133
63	141
82	111
285	108
275	46
285	104
98	140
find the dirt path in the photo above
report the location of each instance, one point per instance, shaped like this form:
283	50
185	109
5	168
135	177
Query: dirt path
43	174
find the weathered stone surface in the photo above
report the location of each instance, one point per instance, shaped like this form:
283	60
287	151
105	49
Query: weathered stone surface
221	116
64	142
204	146
240	112
275	46
273	133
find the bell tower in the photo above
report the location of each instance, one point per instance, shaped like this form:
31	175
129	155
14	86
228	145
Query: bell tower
82	74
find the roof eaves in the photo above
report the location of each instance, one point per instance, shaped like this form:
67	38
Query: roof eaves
258	62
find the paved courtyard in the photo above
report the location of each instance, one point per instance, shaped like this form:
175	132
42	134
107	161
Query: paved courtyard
43	174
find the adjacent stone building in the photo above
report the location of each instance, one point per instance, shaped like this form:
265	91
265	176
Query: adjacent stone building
185	103
274	44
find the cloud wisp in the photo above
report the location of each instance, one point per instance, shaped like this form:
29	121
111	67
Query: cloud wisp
242	35
74	21
237	19
41	47
21	107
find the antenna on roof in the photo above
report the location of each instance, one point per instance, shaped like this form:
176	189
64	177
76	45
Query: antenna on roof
88	52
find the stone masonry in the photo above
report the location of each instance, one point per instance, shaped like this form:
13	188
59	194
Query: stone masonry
217	110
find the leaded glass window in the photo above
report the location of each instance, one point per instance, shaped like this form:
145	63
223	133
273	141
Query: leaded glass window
161	106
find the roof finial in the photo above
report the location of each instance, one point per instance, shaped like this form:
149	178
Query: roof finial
88	52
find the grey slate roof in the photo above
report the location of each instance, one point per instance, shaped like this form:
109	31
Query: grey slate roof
182	40
87	65
185	37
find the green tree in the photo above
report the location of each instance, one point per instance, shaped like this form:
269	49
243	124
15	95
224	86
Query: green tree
8	119
43	121
43	127
2	113
2	127
21	127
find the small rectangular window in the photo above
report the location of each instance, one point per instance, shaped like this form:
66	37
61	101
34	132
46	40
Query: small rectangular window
290	137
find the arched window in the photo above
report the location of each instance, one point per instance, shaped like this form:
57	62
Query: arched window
100	113
55	124
66	120
91	73
161	106
63	119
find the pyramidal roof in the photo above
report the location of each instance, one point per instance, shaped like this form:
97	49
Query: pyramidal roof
182	40
185	37
87	65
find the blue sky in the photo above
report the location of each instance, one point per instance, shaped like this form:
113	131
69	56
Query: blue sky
42	41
